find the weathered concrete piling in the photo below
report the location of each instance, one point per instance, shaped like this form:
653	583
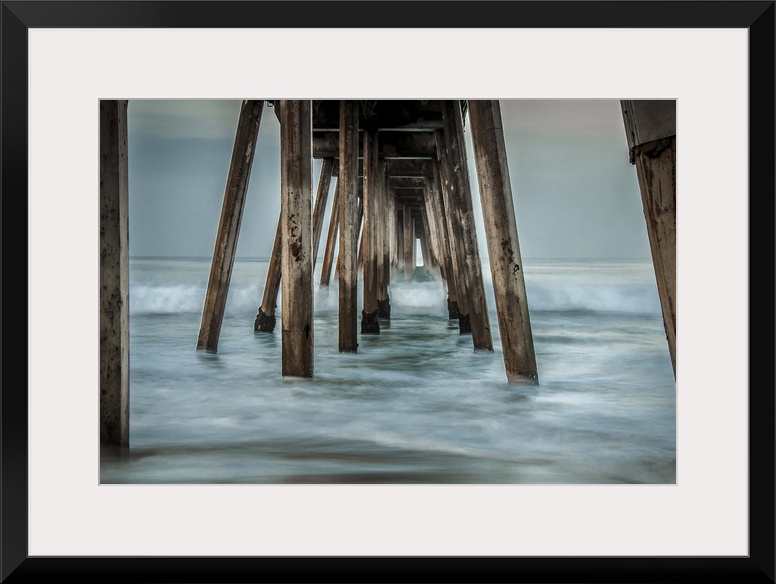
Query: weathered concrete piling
650	128
114	275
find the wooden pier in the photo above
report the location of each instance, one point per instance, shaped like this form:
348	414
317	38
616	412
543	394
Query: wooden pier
402	181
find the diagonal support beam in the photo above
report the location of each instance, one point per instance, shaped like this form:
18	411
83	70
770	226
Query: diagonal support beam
265	319
229	225
650	127
331	239
506	265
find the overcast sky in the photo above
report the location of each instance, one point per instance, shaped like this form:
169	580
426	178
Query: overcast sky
576	195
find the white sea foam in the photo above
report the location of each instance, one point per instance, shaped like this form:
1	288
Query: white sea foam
594	287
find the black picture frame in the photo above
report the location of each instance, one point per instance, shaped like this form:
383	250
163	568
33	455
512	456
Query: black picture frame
19	16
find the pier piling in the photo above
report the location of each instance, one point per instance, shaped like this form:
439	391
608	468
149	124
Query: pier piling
650	127
114	275
369	321
321	199
331	239
229	224
348	185
408	226
383	247
506	265
448	272
265	319
463	214
296	220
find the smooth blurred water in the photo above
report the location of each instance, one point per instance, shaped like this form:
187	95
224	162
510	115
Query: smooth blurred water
416	404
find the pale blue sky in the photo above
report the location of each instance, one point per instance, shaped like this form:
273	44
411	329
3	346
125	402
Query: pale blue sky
576	195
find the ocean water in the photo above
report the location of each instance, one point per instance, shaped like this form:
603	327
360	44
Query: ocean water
416	404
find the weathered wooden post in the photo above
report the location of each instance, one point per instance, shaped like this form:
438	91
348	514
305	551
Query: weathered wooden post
229	224
360	230
458	203
265	319
426	242
360	255
408	241
348	184
650	126
296	219
114	275
369	322
431	229
331	239
321	198
444	240
455	238
383	247
398	234
506	265
428	261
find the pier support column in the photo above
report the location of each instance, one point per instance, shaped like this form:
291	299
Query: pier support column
431	230
408	241
114	275
398	235
360	231
265	319
331	239
463	213
444	241
321	198
229	224
455	238
348	237
650	126
428	261
296	220
426	245
506	265
369	322
383	247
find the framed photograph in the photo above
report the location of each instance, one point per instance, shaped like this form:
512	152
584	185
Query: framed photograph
694	504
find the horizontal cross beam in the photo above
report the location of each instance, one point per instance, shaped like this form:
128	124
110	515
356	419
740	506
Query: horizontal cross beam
390	145
406	182
383	114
